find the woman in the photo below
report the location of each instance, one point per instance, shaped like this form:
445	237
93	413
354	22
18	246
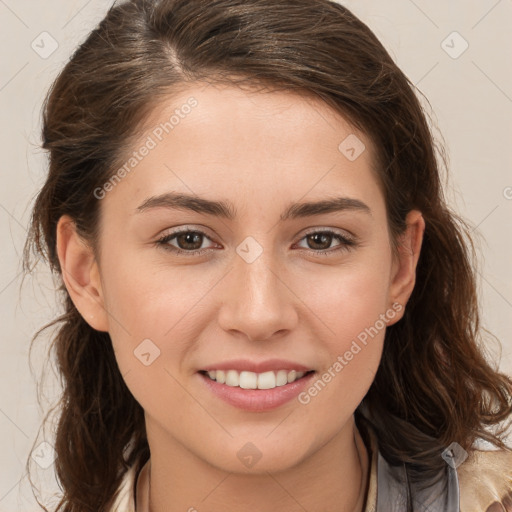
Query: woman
269	306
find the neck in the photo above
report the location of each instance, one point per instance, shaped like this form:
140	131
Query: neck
333	478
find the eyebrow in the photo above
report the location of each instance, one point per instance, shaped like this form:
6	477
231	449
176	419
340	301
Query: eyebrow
225	209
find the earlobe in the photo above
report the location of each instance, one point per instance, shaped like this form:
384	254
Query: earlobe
80	274
406	261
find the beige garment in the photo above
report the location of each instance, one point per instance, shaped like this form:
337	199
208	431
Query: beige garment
485	481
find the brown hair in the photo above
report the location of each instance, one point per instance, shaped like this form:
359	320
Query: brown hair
433	385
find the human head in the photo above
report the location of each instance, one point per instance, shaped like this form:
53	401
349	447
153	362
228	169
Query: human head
146	52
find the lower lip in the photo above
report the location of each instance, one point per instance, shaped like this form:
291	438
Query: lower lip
257	400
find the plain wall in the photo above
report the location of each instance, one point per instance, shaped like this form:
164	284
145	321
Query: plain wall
471	99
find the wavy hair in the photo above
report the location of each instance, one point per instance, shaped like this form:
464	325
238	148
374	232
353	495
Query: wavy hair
434	384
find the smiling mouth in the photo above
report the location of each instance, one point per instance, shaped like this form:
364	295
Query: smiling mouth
252	380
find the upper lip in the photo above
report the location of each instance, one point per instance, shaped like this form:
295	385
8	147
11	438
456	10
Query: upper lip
257	366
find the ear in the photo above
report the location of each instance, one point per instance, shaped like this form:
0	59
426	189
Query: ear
403	277
80	274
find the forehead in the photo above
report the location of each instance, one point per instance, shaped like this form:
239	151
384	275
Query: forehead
219	140
278	116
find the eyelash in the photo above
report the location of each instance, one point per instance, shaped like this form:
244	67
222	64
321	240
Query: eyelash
346	243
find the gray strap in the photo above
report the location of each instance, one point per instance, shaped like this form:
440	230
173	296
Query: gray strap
395	493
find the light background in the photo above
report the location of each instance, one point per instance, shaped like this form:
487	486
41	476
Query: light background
471	98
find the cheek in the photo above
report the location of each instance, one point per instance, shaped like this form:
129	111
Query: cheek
153	315
148	306
352	354
351	306
147	296
349	298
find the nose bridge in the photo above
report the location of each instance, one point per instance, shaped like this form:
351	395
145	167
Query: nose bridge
258	282
257	302
259	278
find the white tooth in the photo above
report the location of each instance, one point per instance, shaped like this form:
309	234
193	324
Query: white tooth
267	380
282	378
251	380
248	380
232	378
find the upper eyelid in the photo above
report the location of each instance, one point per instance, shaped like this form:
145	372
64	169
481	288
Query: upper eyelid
337	231
202	230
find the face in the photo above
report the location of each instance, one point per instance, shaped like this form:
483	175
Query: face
257	281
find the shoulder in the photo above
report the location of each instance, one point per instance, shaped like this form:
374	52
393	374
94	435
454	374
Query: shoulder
485	481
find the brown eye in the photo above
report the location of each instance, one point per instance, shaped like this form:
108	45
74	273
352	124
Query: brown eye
186	242
189	240
320	242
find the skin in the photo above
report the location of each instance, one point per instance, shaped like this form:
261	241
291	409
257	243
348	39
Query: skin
261	152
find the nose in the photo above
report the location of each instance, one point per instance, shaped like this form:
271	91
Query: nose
257	302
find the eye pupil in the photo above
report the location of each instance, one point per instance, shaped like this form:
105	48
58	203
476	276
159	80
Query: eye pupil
320	238
188	239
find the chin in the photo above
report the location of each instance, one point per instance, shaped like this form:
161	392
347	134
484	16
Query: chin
259	456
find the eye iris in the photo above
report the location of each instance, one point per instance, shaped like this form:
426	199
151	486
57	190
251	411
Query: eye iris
320	238
187	238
